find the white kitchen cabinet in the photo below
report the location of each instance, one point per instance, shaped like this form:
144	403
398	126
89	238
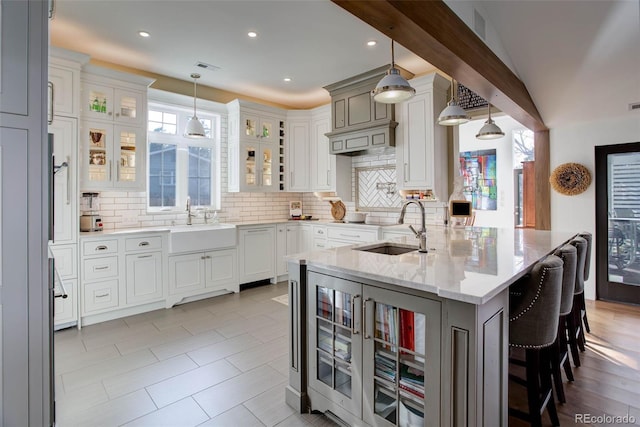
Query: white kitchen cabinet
202	272
143	280
289	240
306	238
101	101
297	155
121	275
257	249
65	202
113	157
373	348
66	258
64	82
256	147
421	144
340	235
113	131
319	236
66	309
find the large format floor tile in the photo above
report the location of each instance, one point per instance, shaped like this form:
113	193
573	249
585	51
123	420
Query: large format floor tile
217	362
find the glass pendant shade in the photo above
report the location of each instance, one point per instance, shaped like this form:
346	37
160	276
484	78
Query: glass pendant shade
194	128
392	88
453	114
490	130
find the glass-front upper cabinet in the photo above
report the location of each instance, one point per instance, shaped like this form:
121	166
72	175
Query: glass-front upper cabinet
113	104
258	167
112	156
265	129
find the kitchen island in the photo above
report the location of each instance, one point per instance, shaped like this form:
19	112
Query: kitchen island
382	337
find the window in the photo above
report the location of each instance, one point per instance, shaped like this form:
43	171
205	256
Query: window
181	167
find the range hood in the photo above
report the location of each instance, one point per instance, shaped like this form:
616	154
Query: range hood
358	122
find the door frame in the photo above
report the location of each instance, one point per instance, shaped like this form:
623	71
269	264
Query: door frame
606	290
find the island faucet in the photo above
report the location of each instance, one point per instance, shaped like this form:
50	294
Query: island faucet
420	235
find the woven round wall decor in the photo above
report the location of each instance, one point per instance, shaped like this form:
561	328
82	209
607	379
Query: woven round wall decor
570	179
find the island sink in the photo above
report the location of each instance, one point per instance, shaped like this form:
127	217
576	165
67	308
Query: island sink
387	248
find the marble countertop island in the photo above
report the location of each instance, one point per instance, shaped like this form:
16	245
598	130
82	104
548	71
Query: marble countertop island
469	265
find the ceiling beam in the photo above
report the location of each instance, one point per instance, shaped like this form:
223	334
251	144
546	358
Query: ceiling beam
431	30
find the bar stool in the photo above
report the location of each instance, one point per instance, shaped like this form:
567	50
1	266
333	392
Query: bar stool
560	351
533	326
574	321
587	266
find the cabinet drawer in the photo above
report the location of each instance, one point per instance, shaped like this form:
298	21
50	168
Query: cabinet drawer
351	234
100	268
143	243
100	296
99	247
319	231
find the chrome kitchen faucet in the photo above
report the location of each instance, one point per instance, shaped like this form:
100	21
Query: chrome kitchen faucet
420	235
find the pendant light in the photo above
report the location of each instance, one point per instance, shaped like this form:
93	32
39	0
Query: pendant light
490	130
392	88
194	128
453	114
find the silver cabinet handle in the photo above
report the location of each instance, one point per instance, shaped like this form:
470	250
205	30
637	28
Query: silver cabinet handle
68	161
257	230
292	184
353	315
145	243
406	172
320	231
328	177
104	267
364	318
109	170
357	236
293	315
51	111
144	256
102	295
101	248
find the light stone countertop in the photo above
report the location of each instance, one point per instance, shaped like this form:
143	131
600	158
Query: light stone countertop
470	265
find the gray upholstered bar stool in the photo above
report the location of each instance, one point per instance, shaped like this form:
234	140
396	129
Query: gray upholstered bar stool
587	266
560	351
533	326
574	321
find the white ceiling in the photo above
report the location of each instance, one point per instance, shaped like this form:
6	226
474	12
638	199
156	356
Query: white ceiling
313	42
580	59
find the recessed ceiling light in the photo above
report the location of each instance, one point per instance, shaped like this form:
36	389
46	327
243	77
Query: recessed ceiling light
287	79
372	43
144	34
252	34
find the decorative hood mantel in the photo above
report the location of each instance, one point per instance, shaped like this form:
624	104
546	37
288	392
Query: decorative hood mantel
358	122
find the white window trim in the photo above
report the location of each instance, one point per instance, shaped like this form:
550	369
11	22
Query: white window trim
182	144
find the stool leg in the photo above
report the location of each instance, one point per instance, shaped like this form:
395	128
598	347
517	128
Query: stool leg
533	386
571	332
564	349
545	385
577	312
554	351
584	314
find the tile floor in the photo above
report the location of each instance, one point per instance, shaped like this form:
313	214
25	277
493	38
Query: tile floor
216	362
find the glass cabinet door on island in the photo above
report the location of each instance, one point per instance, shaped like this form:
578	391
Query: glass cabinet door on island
401	359
374	352
335	343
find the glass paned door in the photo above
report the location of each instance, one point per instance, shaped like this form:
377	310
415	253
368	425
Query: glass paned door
401	359
335	343
98	143
127	165
251	167
267	168
618	222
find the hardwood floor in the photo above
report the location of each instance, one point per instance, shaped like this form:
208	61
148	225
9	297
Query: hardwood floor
223	362
608	381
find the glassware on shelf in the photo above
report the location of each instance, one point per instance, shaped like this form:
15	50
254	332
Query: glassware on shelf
95	105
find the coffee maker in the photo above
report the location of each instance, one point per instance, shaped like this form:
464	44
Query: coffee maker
90	219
